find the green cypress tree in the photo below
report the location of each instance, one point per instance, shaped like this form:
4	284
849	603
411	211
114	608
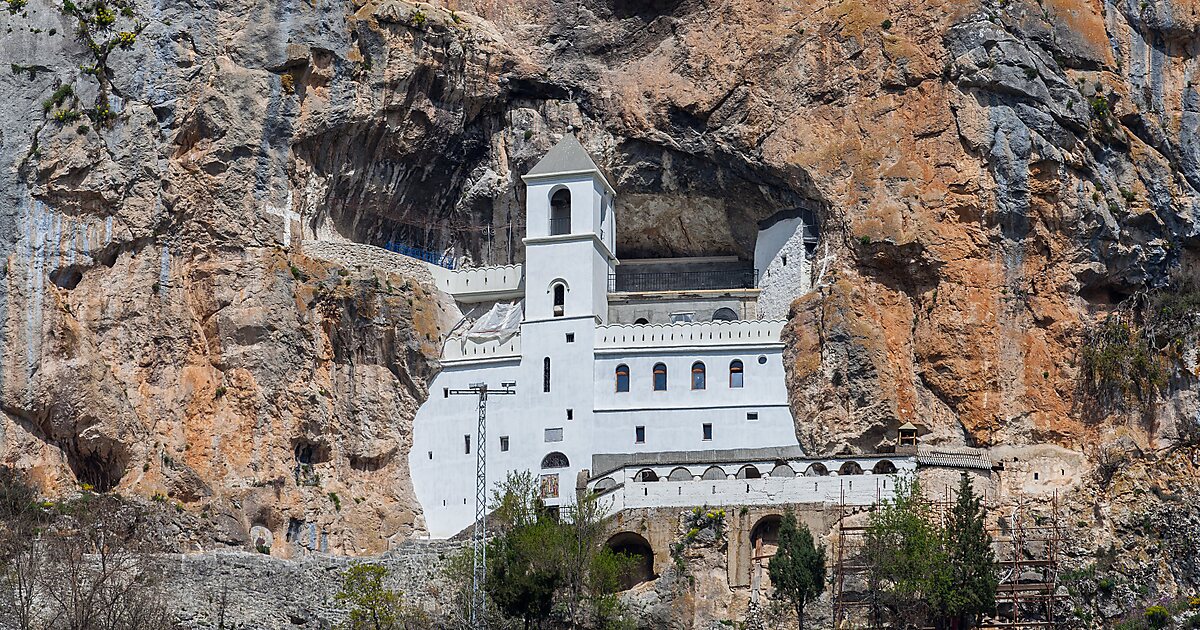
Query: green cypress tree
971	559
797	569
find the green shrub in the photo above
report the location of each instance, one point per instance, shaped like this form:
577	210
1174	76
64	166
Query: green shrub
57	97
1158	617
887	24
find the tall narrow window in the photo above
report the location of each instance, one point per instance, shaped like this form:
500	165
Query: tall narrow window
735	373
660	377
639	435
560	298
560	212
466	445
697	375
706	431
546	375
622	378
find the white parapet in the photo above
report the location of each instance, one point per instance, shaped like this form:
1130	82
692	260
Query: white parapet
717	333
462	349
483	284
865	480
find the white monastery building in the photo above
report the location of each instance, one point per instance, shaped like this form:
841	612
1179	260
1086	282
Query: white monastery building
658	382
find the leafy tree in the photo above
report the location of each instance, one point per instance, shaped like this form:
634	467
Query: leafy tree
521	578
971	558
797	569
373	606
536	559
909	576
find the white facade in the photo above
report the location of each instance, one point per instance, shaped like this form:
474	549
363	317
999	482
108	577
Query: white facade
567	407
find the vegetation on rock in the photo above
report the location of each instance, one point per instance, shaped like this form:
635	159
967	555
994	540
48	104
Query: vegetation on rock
1129	357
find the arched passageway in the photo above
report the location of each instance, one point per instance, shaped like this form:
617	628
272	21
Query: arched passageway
641	568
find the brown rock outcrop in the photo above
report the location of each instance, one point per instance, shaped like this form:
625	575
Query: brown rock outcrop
989	178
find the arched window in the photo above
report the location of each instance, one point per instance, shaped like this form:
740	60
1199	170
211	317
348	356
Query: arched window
622	378
714	473
749	472
555	460
850	468
697	375
735	373
546	375
560	298
641	321
660	377
646	474
725	314
560	212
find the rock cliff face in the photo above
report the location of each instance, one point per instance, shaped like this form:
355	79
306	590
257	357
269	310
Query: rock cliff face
989	178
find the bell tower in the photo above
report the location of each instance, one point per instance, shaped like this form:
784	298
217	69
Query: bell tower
570	240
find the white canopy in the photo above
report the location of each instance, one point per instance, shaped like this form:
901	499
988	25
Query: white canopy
499	324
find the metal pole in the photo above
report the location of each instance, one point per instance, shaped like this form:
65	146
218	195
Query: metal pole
479	533
478	619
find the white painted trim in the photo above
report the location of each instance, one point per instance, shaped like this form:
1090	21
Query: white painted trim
595	173
568	238
748	407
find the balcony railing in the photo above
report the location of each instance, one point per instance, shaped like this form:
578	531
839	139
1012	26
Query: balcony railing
437	258
560	226
681	281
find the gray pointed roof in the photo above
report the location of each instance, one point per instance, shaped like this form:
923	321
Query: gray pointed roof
568	156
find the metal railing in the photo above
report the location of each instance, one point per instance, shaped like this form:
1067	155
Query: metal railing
560	226
437	258
681	281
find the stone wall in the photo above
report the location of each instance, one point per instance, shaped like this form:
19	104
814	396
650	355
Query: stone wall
261	592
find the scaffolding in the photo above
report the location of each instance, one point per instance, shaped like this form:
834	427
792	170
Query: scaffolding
1027	556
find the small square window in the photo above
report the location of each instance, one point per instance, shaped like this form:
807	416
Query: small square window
554	435
503	443
570	414
639	435
570	337
752	415
467	444
707	431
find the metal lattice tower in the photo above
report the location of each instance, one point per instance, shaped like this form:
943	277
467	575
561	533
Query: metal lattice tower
479	532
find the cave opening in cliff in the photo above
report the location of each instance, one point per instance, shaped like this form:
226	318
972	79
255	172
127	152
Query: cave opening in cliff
101	472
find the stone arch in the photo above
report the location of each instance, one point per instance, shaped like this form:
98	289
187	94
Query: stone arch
607	483
782	470
638	548
714	473
816	469
680	474
646	474
764	536
749	471
850	468
884	467
555	460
